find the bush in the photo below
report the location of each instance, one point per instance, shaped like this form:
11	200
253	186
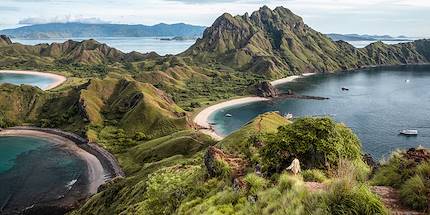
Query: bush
395	172
314	175
287	182
355	170
346	198
316	142
255	183
222	169
414	193
166	188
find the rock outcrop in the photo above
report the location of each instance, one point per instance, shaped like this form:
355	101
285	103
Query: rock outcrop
220	163
4	40
265	89
417	155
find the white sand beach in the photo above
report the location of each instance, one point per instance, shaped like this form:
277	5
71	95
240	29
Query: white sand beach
289	79
202	118
59	79
95	169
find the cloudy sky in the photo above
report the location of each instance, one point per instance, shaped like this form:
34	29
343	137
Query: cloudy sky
394	17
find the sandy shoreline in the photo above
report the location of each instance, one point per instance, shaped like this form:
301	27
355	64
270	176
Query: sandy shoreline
289	79
95	170
202	118
59	79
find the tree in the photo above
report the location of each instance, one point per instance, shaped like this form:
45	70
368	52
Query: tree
316	142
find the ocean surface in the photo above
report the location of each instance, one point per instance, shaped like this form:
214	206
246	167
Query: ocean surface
362	44
33	80
127	44
33	170
381	102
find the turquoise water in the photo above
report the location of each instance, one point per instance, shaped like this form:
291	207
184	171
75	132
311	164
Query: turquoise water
34	171
380	103
11	147
128	44
33	80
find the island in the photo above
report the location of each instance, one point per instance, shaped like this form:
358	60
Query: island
151	112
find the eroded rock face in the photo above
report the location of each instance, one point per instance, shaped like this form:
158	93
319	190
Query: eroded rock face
418	155
214	156
4	40
265	89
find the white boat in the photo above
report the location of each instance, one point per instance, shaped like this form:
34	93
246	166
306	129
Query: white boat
289	116
409	132
228	115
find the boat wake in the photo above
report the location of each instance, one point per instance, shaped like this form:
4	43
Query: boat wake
69	185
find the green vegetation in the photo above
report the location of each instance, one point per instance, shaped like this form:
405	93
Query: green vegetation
138	106
314	175
410	173
344	197
316	142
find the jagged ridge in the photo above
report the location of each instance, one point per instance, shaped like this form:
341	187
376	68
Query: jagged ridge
277	42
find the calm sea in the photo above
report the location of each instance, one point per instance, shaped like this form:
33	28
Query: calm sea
380	103
128	44
28	79
33	171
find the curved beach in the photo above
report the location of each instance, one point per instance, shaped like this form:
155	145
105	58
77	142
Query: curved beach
59	79
95	170
202	118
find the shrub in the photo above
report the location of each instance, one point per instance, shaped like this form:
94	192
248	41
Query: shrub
316	142
166	188
395	172
287	182
346	198
414	193
222	169
314	175
355	170
255	183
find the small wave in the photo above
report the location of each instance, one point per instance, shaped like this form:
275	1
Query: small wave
71	183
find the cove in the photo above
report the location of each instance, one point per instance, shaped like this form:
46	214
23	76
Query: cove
33	170
380	102
44	81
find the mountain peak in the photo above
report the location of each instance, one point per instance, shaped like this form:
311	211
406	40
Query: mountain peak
5	40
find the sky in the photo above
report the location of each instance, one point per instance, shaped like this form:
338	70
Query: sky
393	17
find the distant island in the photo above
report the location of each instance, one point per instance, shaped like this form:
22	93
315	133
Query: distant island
366	37
77	30
179	38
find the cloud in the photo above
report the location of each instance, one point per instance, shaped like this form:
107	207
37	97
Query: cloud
260	2
59	19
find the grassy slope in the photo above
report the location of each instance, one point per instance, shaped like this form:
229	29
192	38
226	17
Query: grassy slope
181	148
265	123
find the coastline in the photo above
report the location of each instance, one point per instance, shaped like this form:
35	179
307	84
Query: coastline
101	165
202	118
59	79
289	79
95	169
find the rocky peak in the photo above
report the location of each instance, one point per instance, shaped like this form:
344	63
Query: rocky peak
265	89
5	40
279	17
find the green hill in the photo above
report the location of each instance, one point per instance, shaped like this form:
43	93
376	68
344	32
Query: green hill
135	105
276	43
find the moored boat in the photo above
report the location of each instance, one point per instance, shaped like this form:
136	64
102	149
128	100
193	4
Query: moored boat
409	132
